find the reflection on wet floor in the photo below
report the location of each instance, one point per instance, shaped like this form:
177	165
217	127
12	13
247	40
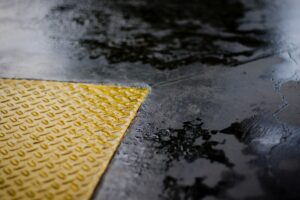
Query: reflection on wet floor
190	143
166	34
261	136
173	190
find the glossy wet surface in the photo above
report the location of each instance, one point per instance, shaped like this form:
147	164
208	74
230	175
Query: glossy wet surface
223	117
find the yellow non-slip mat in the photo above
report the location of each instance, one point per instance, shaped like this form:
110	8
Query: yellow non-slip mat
56	138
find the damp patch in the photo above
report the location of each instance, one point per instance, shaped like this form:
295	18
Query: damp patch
57	138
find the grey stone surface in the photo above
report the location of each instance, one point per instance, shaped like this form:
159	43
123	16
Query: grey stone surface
222	119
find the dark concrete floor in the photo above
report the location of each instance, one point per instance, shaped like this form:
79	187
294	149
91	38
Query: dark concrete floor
223	117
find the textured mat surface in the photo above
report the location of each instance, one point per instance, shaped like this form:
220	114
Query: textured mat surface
56	139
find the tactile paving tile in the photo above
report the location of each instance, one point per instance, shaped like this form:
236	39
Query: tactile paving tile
56	138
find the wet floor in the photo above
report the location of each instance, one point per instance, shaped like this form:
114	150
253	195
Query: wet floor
223	117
